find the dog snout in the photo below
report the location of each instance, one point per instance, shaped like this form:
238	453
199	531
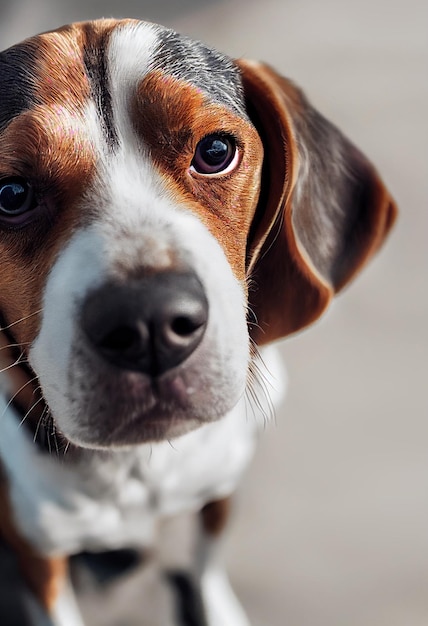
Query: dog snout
149	325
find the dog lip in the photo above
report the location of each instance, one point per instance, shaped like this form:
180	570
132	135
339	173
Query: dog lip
140	398
174	387
170	389
145	391
159	414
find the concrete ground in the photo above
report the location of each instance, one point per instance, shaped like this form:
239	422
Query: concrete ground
331	523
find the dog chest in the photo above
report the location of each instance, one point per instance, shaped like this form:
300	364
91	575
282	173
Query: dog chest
112	500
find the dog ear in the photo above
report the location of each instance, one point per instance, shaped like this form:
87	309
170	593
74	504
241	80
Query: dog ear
323	210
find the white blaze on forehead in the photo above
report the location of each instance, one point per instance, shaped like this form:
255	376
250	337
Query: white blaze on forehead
127	186
130	54
131	47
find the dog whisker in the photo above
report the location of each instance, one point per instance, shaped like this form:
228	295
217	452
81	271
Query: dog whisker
42	418
22	319
253	401
47	427
33	406
55	438
66	448
252	320
11	365
258	386
31	380
15	345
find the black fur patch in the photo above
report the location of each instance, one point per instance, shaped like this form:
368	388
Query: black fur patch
16	81
95	62
12	591
107	567
190	610
209	70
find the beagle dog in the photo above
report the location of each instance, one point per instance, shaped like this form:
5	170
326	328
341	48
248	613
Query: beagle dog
165	214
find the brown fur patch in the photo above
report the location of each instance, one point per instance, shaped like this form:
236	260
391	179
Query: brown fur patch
215	516
324	209
171	117
48	146
43	576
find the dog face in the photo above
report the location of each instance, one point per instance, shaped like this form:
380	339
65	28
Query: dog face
152	191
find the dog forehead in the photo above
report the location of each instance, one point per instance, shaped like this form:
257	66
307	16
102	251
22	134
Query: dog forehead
207	69
138	49
90	59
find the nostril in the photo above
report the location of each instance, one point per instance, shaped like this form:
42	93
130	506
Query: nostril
185	326
124	339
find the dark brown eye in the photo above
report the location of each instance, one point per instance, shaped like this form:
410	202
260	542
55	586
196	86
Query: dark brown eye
16	197
215	154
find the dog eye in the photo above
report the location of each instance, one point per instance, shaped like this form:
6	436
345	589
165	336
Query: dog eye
16	197
215	154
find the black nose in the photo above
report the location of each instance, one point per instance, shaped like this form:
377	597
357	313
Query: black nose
149	325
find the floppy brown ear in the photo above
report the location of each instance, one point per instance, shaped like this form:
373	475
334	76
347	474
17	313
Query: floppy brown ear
323	210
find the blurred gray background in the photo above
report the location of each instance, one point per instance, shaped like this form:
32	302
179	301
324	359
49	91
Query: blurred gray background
331	523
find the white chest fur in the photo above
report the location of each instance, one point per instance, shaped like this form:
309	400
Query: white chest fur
111	500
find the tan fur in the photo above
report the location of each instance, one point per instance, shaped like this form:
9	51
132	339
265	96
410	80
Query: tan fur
215	516
172	116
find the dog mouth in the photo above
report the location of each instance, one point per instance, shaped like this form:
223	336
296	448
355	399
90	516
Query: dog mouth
114	408
103	406
140	407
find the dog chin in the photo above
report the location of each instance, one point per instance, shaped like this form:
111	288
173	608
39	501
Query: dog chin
128	419
103	407
141	430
